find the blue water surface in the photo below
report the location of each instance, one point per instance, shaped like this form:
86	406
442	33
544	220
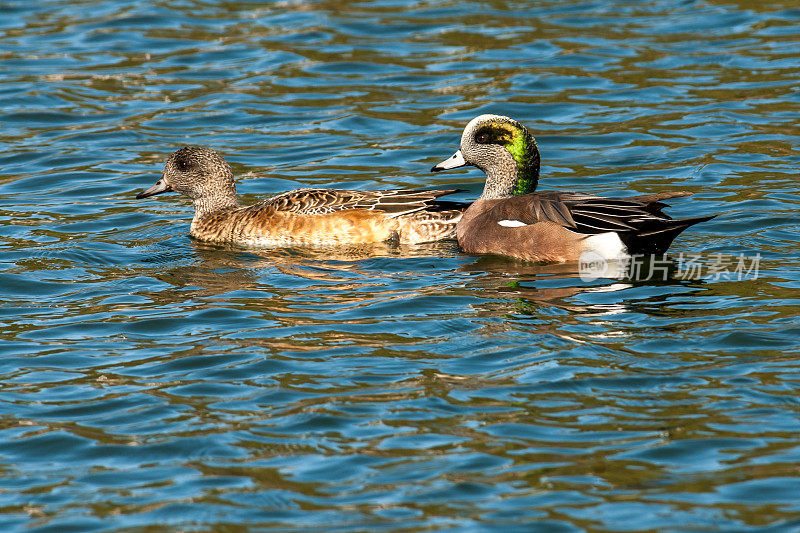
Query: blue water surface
151	382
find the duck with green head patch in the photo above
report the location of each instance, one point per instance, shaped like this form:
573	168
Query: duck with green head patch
504	149
511	219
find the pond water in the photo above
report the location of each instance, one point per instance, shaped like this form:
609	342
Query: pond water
150	381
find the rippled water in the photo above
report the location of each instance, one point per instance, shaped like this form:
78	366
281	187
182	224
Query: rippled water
151	381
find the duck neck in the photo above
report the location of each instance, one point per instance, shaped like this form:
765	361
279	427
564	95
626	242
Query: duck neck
220	199
512	175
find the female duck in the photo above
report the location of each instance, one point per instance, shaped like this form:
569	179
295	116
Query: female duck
510	219
303	216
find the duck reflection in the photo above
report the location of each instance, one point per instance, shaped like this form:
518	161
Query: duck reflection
311	282
305	271
541	292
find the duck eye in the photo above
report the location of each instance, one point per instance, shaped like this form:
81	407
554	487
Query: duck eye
482	138
182	165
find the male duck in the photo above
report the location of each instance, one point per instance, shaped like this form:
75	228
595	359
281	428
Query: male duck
302	216
553	226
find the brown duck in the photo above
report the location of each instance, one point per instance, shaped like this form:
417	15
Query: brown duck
302	216
554	226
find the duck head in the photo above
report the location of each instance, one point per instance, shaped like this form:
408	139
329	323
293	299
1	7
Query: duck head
199	173
503	149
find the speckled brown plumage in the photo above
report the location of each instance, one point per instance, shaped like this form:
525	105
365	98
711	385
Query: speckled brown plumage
303	216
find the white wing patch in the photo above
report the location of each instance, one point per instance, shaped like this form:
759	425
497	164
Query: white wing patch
511	223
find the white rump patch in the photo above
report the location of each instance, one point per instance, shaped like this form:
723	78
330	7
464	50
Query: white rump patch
608	245
511	223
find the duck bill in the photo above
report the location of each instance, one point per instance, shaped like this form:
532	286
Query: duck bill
454	161
160	186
